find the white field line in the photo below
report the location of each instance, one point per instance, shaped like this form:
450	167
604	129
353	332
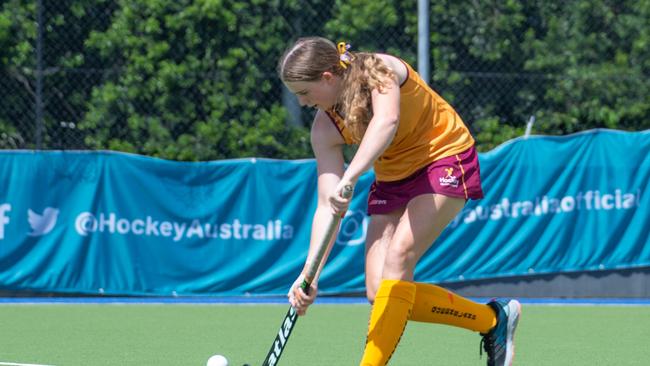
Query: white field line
20	364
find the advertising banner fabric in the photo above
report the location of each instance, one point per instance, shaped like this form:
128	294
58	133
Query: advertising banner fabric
99	222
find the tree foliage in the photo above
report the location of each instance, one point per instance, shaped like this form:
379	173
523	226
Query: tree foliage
196	79
194	82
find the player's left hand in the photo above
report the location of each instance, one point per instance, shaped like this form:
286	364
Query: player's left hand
298	299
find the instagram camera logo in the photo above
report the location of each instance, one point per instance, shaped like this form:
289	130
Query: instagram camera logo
354	228
4	219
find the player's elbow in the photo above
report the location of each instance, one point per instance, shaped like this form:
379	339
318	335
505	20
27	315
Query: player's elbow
392	119
388	122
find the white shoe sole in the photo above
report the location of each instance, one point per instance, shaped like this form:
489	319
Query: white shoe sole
514	313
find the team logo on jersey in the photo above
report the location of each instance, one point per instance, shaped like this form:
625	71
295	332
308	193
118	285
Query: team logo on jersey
449	180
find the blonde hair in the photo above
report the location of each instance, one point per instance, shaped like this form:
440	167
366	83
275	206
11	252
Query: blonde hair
361	73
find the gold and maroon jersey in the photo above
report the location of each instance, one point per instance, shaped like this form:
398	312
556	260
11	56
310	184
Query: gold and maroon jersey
429	130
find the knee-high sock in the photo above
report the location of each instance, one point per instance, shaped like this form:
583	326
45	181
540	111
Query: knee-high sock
388	317
434	304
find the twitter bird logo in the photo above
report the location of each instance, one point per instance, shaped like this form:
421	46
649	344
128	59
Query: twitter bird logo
42	224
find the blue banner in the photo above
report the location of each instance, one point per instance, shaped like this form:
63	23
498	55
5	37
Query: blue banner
114	223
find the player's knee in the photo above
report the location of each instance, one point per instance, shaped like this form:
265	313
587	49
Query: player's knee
400	257
372	285
370	295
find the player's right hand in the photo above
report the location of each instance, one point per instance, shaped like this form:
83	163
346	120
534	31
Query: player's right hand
341	197
298	299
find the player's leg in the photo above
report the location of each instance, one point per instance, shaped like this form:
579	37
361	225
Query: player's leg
425	217
428	215
424	220
395	299
434	304
496	321
380	231
420	224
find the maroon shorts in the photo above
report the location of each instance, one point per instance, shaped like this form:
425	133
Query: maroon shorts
454	176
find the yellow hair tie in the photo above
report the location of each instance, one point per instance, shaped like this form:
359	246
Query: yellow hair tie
345	58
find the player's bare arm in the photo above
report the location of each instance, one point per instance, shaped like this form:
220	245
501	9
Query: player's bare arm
327	144
378	136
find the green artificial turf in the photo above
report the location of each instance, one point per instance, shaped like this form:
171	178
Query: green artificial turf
175	334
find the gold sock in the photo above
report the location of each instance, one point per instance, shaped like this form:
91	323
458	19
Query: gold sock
434	304
388	317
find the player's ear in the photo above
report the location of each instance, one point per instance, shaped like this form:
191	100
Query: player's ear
327	76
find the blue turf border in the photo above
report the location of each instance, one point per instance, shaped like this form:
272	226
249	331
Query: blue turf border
283	300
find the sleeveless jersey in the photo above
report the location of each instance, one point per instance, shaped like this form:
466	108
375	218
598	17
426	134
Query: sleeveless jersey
429	130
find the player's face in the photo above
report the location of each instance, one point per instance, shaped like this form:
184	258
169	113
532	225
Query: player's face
321	94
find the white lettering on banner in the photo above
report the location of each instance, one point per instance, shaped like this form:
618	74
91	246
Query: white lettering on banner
179	229
4	219
137	227
592	200
87	223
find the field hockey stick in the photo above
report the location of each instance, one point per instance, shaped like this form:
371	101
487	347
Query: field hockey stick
290	319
